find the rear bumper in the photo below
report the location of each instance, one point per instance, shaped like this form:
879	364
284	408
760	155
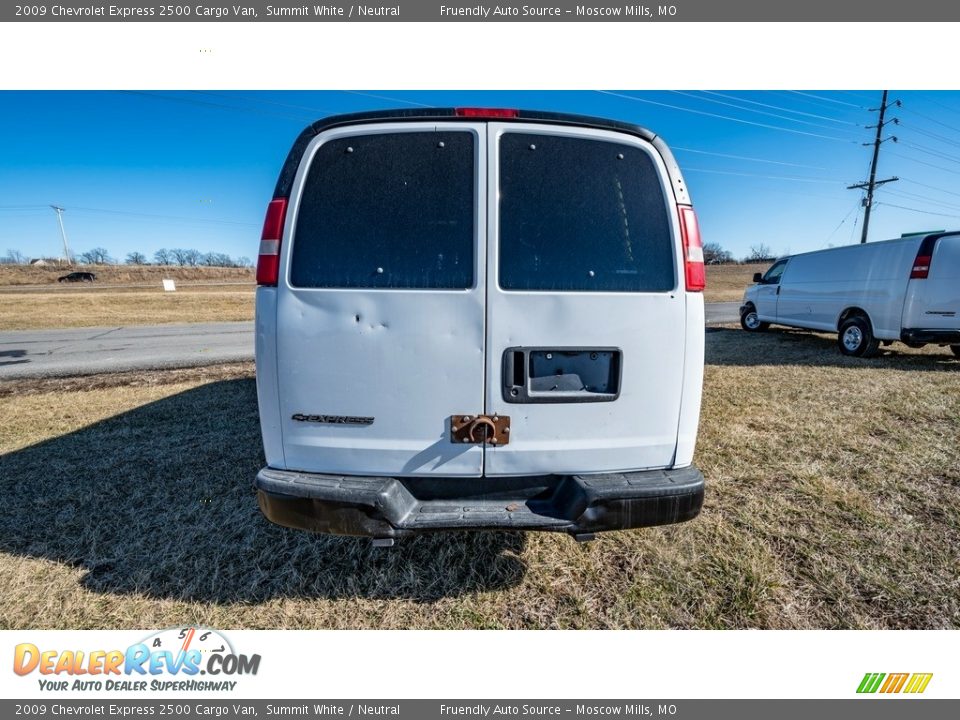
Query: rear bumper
397	507
920	335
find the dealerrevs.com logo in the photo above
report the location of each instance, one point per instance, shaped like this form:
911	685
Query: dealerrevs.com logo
910	683
177	659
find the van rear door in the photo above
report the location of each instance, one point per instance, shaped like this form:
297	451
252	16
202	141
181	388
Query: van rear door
586	306
380	309
933	295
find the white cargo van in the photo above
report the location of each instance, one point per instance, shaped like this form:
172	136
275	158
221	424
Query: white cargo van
477	319
906	289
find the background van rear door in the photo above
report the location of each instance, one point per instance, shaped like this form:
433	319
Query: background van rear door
586	307
933	302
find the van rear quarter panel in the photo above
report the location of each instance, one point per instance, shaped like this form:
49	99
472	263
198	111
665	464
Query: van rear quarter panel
268	394
818	287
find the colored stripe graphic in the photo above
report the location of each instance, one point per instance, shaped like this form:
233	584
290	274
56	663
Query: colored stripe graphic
918	682
870	682
894	683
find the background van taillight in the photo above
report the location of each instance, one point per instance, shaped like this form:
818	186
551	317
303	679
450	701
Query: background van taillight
268	260
692	250
921	268
921	265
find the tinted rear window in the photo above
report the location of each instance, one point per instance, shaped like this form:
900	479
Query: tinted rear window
388	211
579	214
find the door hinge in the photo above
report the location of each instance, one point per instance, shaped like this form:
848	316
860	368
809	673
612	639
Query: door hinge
480	429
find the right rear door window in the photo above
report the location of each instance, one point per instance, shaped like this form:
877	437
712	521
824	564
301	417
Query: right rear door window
581	214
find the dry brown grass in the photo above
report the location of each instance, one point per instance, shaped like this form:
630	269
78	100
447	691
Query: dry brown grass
726	283
833	502
100	307
119	274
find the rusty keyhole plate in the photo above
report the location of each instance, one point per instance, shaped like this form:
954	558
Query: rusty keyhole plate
476	429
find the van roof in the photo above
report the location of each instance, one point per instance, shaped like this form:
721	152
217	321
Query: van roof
909	238
289	170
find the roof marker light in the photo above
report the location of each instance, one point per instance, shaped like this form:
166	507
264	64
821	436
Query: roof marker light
486	113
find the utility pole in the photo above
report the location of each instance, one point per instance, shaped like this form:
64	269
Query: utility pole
872	183
63	234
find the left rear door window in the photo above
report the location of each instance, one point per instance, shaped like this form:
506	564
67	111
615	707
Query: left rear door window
388	210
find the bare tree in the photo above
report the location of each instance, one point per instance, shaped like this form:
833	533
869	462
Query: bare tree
215	259
96	256
14	257
179	256
163	257
136	258
714	254
244	262
192	257
760	253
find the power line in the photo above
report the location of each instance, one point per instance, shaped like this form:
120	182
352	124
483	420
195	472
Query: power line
930	187
220	106
826	99
783	109
923	162
745	157
856	94
766	177
845	218
933	120
925	212
725	117
248	98
930	151
935	136
760	112
387	98
175	218
924	198
938	104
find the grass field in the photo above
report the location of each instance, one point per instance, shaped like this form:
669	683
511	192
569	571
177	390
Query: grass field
833	502
726	283
104	308
134	296
31	297
14	275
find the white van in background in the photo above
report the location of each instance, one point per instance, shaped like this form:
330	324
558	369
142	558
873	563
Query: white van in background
475	319
906	289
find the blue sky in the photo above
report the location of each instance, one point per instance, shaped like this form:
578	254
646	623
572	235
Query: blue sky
137	171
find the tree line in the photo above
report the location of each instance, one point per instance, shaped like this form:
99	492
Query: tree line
713	254
184	257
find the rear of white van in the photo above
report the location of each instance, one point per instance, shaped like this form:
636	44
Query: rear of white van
474	319
931	311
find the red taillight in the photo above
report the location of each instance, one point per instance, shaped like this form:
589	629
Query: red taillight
692	250
268	260
921	267
473	112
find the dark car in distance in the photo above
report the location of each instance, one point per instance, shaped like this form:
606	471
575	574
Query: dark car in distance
77	277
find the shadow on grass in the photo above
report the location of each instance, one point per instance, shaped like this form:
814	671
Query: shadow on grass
788	347
159	501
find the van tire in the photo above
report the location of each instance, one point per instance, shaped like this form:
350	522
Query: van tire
856	338
750	322
956	350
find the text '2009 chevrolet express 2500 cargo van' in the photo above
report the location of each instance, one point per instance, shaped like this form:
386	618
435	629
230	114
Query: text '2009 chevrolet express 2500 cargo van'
479	319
